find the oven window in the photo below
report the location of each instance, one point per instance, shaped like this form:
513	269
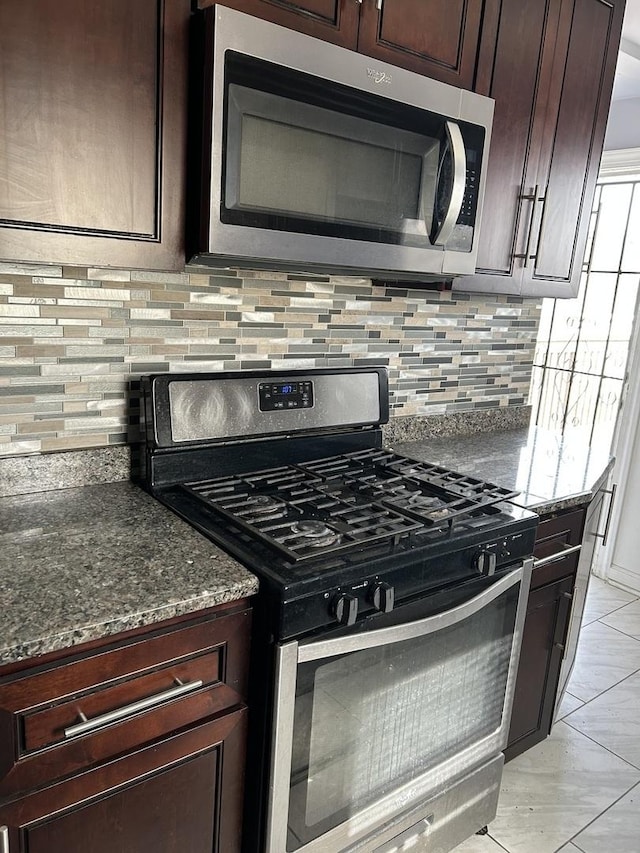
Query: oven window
311	156
370	721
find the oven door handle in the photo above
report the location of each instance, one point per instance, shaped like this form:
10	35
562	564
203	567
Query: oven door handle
319	649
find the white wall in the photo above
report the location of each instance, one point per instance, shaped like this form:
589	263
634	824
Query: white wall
625	564
623	129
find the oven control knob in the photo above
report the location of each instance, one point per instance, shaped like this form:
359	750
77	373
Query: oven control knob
382	597
345	609
485	562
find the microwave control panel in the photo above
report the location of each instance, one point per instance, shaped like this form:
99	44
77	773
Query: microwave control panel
469	202
285	395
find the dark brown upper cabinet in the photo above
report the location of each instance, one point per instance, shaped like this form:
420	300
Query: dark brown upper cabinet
437	38
331	20
92	165
551	72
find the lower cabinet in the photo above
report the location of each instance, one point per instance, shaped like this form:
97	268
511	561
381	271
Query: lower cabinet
136	747
542	650
546	628
182	794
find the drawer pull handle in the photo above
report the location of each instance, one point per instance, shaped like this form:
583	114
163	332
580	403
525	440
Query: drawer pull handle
4	839
568	549
128	710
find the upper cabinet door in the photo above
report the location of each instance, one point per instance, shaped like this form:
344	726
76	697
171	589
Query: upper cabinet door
516	73
438	38
551	74
93	116
331	20
572	141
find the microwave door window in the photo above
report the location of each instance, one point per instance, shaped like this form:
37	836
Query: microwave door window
292	165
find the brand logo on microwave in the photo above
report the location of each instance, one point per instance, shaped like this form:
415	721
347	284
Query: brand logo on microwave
378	76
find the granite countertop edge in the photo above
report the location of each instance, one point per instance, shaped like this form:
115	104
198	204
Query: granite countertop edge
67	580
118	624
544	506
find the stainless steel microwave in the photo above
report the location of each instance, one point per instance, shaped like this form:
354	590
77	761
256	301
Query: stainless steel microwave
320	158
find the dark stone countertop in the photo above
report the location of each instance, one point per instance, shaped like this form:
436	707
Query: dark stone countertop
551	471
84	563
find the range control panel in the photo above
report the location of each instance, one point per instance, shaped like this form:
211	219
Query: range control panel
285	395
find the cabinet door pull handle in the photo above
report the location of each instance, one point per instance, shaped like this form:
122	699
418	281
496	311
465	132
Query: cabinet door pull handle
612	492
552	558
128	710
379	5
562	625
533	198
534	257
4	839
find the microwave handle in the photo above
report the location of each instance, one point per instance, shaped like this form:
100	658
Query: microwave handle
455	144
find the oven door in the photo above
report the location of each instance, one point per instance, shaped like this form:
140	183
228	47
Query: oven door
370	724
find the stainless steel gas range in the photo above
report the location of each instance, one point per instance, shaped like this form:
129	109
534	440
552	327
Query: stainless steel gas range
389	618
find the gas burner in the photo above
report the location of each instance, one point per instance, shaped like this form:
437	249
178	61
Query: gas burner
430	504
319	534
266	505
416	499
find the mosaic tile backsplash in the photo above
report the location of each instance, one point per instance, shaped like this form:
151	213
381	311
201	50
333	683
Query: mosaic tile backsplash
73	342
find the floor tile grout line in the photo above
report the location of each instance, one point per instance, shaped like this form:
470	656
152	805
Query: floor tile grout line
615	609
602	813
606	748
594	597
501	846
610	626
613	628
602	693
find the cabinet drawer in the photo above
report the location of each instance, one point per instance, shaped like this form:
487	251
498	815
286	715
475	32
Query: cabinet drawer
144	692
80	712
556	534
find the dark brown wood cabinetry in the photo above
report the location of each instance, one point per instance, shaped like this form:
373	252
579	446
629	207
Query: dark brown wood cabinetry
93	112
330	20
545	629
550	70
160	765
179	794
437	38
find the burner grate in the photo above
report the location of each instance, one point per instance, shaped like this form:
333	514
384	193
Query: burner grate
301	516
347	502
433	495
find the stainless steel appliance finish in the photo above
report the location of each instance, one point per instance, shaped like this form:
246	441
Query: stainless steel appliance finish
393	595
467	750
324	158
227	409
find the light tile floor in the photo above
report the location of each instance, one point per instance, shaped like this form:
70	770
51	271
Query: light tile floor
579	790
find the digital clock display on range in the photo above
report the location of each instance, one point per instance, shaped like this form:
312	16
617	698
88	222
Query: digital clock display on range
275	396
